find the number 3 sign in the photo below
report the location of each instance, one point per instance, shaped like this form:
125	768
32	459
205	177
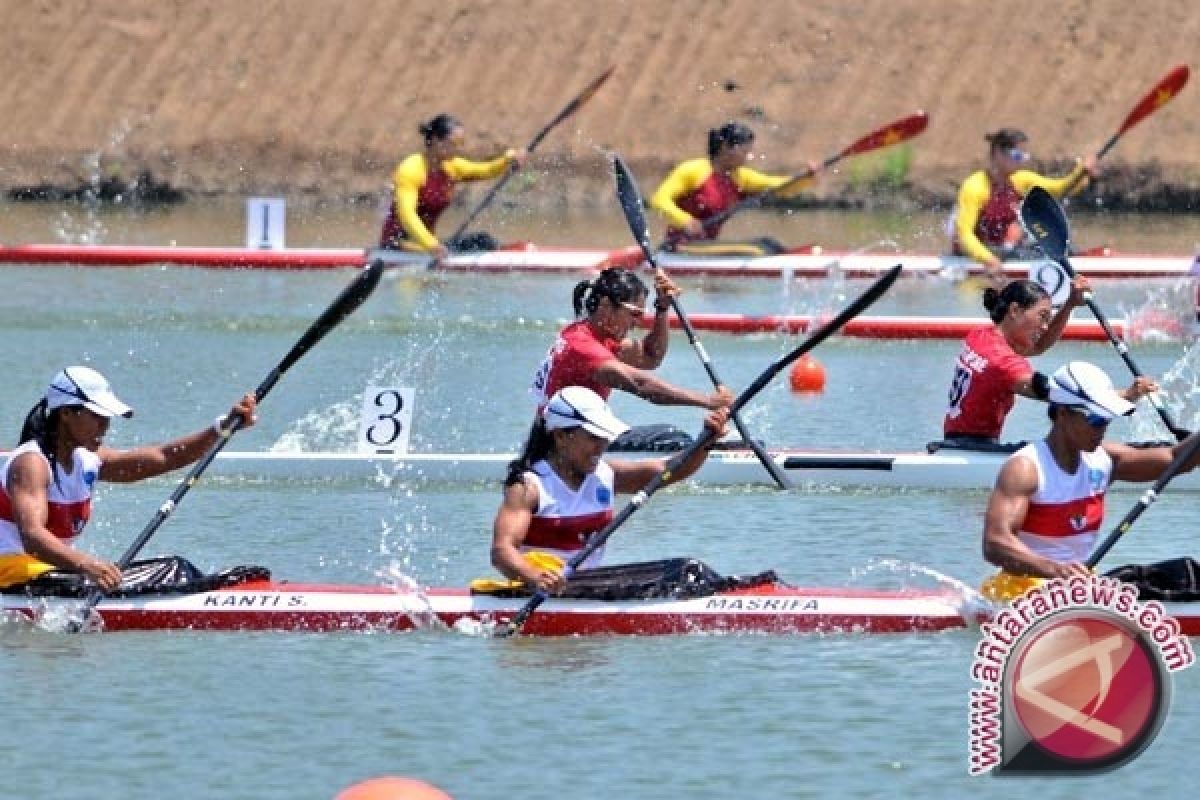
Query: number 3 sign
386	419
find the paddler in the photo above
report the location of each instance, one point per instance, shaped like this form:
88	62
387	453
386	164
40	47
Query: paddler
560	489
596	351
46	483
423	186
699	189
1048	502
992	368
985	221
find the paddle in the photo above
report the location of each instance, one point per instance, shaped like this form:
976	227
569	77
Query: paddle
631	204
1162	93
597	540
1186	453
569	109
1043	219
353	296
898	131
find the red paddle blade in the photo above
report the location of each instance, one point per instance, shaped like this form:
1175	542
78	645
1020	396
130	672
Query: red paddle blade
1158	97
899	131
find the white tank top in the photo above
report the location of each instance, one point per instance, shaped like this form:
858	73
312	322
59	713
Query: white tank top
69	495
565	517
1066	511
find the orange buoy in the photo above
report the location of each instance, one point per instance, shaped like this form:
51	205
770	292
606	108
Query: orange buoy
390	787
807	375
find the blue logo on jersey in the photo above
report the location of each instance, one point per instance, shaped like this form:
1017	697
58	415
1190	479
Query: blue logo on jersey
89	478
1096	479
603	495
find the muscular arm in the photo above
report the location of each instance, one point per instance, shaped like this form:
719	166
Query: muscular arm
645	385
126	466
509	529
649	352
630	476
28	479
1006	510
1144	464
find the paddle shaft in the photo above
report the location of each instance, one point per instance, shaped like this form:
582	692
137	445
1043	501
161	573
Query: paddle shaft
597	540
568	110
635	215
1186	453
353	296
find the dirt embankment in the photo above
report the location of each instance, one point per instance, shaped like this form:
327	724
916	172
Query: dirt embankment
317	98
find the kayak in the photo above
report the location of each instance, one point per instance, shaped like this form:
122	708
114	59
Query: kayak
806	262
281	606
771	609
945	469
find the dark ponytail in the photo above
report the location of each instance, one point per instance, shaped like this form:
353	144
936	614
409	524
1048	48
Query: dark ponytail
537	446
618	285
731	134
42	426
438	128
1024	294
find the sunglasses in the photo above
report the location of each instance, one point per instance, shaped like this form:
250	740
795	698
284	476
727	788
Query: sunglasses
636	310
1018	155
1097	421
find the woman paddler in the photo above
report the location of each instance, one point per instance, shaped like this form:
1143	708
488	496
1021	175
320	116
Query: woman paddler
596	351
423	186
46	483
560	490
992	368
702	188
985	225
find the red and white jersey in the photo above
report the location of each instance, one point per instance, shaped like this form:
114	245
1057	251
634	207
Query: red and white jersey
565	518
69	495
1066	511
981	394
573	360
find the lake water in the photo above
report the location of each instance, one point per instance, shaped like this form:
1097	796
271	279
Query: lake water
268	716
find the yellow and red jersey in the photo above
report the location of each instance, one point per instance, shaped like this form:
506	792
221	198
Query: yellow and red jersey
421	194
694	190
985	212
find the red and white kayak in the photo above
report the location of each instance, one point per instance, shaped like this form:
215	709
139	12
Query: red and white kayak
807	262
914	327
303	607
773	609
946	469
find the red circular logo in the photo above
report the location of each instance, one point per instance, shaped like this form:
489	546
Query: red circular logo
1087	688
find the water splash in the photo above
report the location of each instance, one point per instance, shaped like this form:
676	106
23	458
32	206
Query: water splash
970	603
420	611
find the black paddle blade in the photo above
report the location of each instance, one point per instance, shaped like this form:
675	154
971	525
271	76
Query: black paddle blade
631	204
1043	219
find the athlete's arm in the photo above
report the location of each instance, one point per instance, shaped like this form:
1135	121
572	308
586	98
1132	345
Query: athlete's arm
631	476
618	375
28	479
508	534
684	179
407	181
126	466
972	196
